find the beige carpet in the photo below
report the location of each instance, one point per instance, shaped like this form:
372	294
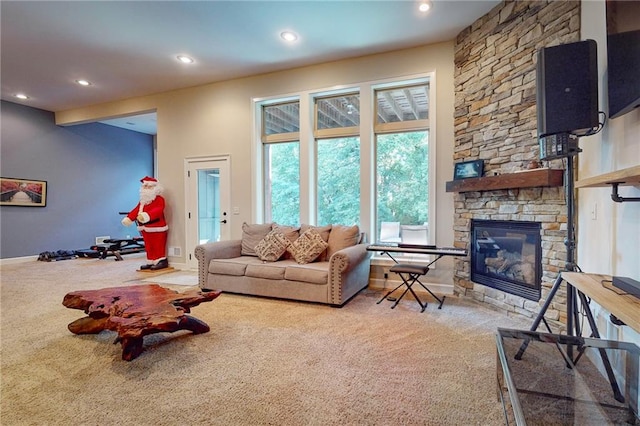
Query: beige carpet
188	278
264	362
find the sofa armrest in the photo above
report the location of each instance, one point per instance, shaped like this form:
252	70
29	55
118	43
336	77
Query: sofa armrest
216	250
348	272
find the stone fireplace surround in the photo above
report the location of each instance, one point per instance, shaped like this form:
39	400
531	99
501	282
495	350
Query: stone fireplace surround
495	120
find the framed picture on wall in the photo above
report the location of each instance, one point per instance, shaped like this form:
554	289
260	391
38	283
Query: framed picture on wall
468	169
23	192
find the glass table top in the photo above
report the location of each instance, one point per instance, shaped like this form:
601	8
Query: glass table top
556	379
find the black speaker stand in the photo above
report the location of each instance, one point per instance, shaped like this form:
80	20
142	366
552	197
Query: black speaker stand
573	323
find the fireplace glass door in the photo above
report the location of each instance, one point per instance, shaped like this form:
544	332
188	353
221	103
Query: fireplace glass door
507	255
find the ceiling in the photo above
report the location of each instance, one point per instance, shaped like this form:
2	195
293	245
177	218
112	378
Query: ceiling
128	49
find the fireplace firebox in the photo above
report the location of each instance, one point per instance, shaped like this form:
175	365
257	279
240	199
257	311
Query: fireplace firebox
507	256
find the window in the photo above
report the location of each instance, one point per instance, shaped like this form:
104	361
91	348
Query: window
337	115
401	181
338	184
337	127
281	155
402	164
355	155
282	183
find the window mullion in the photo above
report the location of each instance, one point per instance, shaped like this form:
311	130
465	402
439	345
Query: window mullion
307	162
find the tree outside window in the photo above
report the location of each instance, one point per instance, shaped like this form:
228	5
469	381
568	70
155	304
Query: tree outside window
282	183
338	181
402	177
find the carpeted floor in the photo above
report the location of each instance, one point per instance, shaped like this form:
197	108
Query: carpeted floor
264	362
188	278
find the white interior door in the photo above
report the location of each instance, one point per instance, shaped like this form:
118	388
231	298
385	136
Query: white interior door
208	201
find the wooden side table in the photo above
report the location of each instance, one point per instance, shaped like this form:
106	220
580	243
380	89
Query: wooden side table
624	306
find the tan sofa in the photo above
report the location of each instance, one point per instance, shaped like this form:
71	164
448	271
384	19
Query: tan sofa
334	277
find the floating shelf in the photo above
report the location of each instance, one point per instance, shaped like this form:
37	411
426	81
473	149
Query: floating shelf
630	176
524	179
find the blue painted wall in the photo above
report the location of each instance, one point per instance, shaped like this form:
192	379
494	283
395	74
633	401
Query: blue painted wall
92	173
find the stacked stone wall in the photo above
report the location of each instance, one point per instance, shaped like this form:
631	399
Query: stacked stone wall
496	121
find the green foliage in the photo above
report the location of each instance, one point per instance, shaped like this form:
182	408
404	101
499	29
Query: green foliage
402	180
339	181
284	183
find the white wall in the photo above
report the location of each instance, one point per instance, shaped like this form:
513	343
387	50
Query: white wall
610	243
216	119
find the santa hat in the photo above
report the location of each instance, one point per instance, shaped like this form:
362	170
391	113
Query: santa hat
149	180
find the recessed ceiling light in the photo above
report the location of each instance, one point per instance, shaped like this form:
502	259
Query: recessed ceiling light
289	36
424	6
83	82
185	59
22	96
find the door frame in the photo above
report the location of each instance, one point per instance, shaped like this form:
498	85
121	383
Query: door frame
225	200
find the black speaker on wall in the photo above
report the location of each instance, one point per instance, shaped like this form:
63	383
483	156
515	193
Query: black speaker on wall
567	89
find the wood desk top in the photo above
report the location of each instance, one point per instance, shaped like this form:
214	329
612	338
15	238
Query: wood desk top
624	306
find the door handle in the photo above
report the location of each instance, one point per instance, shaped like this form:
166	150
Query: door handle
223	221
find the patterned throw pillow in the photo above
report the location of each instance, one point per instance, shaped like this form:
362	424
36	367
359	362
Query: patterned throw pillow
308	247
271	247
324	232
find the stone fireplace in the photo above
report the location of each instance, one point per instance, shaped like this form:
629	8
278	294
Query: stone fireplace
495	121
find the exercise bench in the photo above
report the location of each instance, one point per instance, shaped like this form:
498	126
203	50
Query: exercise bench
118	246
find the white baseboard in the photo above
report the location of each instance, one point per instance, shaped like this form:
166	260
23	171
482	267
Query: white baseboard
12	260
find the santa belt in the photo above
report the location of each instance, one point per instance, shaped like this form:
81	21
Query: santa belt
153	228
148	223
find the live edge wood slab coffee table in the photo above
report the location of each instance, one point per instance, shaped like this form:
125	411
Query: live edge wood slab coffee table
136	311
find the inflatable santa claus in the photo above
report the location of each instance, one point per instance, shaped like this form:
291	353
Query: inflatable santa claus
149	215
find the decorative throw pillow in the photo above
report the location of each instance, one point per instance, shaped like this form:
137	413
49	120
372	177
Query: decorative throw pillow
324	232
251	236
273	246
308	247
342	237
291	232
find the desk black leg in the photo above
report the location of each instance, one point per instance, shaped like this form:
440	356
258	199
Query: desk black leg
603	354
572	321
